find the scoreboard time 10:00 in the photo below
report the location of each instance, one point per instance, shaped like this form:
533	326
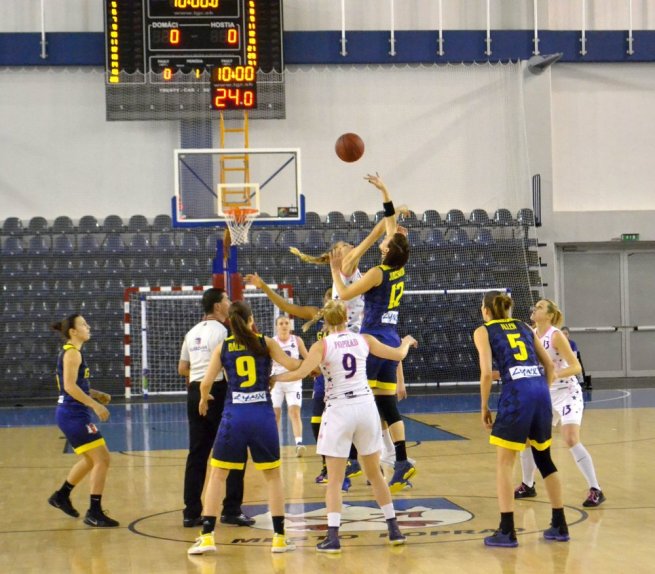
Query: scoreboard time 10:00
201	47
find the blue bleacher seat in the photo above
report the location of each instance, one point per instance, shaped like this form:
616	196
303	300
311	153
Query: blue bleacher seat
162	222
113	244
63	246
63	224
435	238
139	245
413	237
503	217
431	218
337	236
264	240
88	245
525	217
11	269
12	247
138	224
336	219
38	245
484	237
479	217
455	217
459	237
88	224
314	241
37	267
37	226
360	220
12	226
113	224
164	244
312	220
357	236
288	239
408	220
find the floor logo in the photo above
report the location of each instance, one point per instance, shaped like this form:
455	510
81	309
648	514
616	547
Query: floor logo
365	515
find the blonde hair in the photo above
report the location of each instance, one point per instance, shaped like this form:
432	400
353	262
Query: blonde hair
558	318
334	313
322	259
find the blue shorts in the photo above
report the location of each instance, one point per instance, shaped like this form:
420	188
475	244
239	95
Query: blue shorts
524	413
381	373
78	429
318	406
246	427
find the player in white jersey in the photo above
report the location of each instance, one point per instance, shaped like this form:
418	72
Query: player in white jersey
567	401
295	348
351	415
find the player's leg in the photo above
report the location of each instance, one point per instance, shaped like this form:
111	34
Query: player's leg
294	402
61	498
213	496
277	398
527	488
318	406
275	486
95	516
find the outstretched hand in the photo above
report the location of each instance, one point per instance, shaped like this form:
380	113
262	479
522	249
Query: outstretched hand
254	279
335	260
375	180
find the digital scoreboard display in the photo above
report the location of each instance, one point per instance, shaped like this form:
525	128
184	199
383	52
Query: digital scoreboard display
187	59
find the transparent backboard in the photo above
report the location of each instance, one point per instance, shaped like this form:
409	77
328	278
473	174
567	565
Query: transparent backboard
201	174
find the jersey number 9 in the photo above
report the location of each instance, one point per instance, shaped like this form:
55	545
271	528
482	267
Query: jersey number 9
246	368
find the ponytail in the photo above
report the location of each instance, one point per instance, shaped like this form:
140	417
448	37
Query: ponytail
65	325
499	304
239	315
322	259
558	318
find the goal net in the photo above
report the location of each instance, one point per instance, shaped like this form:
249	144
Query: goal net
156	321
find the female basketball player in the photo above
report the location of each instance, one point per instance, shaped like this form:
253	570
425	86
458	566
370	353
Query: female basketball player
248	422
76	401
350	415
310	314
524	413
290	392
566	397
382	288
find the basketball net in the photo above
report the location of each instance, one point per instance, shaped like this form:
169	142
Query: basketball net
239	220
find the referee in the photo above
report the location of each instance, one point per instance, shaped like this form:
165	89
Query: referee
197	349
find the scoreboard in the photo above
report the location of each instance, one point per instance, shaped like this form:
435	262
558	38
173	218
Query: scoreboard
188	59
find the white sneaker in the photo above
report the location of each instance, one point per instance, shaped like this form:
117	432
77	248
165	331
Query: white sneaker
204	543
300	449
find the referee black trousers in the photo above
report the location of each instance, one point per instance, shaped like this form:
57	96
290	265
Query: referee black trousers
202	432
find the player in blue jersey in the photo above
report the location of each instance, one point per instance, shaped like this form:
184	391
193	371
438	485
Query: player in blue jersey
382	288
248	422
524	411
76	401
310	314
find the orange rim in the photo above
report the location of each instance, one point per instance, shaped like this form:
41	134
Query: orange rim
241	214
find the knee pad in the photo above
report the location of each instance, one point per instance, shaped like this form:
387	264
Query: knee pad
544	462
388	408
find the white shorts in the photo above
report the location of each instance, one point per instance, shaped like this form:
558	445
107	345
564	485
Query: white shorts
292	392
344	423
567	404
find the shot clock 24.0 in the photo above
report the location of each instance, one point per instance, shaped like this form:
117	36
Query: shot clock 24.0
167	58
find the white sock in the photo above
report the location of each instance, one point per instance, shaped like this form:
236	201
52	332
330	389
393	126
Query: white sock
298	440
585	464
388	511
334	519
389	447
527	466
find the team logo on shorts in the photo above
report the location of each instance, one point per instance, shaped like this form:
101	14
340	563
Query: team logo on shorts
91	428
365	515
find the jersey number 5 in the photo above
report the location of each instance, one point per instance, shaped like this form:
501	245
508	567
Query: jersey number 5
396	293
246	368
516	343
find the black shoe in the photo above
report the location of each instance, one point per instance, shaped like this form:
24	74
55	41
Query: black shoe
63	503
191	522
239	519
99	520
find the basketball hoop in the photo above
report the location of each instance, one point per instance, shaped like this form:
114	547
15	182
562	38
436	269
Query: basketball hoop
239	220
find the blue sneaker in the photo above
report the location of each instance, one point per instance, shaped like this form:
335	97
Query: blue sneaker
561	533
402	472
353	468
396	537
322	478
502	540
329	545
345	487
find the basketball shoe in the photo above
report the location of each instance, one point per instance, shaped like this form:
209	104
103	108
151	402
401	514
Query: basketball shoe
402	472
300	450
345	486
322	477
502	540
282	544
99	520
396	537
595	498
63	503
203	544
525	491
353	468
330	544
559	533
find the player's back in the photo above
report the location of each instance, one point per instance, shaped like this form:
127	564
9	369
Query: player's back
344	366
512	345
247	373
82	381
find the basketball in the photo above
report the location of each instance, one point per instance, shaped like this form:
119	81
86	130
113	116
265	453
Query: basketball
349	147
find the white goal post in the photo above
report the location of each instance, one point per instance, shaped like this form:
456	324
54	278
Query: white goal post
156	319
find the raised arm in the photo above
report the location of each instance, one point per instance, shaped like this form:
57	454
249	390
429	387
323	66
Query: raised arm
312	361
372	278
350	261
391	353
389	215
281	303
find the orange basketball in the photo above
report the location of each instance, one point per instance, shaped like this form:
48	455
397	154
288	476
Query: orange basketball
349	147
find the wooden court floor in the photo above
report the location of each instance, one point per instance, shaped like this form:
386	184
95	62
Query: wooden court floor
451	507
